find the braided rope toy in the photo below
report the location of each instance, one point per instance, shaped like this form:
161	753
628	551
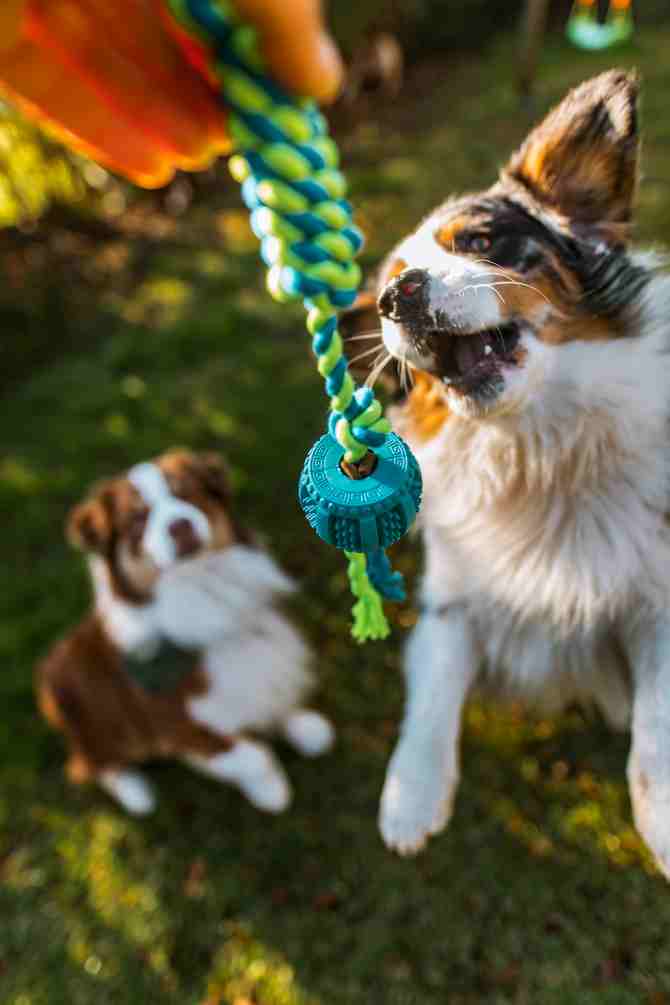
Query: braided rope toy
360	487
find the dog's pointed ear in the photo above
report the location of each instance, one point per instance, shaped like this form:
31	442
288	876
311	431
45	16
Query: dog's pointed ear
582	159
89	526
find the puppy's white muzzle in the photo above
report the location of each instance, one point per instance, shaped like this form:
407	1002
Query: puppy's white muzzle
170	519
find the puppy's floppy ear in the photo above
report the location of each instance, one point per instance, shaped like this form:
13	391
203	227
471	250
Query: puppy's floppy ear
582	159
89	526
212	471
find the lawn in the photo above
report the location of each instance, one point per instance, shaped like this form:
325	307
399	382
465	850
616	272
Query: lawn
540	892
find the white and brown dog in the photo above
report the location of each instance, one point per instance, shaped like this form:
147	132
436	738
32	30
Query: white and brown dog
540	346
185	649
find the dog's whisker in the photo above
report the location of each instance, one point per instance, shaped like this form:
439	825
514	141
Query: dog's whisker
508	277
497	269
380	354
403	374
374	374
528	286
362	355
365	335
486	286
511	282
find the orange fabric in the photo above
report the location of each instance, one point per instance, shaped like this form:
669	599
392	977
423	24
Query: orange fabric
10	23
112	82
119	81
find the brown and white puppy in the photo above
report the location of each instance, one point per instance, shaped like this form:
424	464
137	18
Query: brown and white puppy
185	649
376	67
540	344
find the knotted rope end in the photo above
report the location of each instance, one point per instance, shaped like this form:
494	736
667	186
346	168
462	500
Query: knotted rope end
368	612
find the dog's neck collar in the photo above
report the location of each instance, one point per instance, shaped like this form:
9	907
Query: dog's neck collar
159	665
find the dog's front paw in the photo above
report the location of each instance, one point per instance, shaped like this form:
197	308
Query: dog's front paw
650	798
416	801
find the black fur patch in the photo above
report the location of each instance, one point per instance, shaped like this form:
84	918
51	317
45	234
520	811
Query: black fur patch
520	241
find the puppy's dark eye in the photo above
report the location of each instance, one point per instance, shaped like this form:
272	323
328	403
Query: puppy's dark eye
138	522
478	244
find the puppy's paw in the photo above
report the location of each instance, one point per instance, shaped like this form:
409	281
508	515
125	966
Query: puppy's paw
129	789
309	732
259	776
416	802
270	792
650	798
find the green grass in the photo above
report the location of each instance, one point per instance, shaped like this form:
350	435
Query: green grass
540	892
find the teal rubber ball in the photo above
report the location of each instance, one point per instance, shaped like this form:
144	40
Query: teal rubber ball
362	514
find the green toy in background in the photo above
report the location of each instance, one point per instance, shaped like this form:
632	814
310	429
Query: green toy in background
361	486
586	31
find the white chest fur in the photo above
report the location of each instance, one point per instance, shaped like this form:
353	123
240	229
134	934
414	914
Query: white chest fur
570	553
223	603
557	516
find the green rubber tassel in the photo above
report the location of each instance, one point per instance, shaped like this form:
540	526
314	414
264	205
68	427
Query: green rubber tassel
368	613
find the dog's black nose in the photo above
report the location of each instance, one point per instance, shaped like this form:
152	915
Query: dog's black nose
404	295
184	536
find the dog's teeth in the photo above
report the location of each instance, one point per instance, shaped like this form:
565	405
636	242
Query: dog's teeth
487	350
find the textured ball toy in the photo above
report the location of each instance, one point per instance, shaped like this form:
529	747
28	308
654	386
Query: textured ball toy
360	487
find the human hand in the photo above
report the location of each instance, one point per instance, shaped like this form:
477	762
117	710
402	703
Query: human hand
295	44
108	77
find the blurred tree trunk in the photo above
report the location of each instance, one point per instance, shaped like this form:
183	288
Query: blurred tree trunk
533	27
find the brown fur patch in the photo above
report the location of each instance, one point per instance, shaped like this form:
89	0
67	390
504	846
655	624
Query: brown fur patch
526	300
390	270
446	234
202	479
107	719
103	524
89	525
582	158
425	410
560	331
565	324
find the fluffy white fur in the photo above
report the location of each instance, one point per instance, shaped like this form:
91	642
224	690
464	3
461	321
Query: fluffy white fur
548	566
256	662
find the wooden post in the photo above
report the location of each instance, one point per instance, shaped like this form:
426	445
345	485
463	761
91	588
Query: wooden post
533	24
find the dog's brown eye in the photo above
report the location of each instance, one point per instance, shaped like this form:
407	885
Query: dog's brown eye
479	243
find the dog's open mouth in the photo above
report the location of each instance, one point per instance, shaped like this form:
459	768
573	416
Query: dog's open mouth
468	361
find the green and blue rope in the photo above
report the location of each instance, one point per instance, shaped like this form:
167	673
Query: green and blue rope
287	166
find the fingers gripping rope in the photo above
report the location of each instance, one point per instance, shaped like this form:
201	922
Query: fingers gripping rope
288	169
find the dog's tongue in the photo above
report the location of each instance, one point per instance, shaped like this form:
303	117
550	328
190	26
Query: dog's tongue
468	350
